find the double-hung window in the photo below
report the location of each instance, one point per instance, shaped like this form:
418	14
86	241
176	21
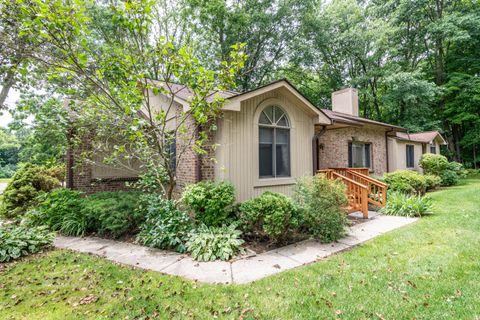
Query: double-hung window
359	155
274	143
433	149
410	156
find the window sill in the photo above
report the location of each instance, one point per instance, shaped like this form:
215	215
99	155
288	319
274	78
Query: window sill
274	182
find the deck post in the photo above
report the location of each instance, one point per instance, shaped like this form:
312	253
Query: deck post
365	203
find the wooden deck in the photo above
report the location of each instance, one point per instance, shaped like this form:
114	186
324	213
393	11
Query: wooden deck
361	188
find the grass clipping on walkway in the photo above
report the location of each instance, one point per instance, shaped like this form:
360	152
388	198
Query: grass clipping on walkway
426	270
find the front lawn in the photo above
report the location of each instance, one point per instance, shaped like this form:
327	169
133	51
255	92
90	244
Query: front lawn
428	270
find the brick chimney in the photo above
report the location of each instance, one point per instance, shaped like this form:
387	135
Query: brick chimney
345	101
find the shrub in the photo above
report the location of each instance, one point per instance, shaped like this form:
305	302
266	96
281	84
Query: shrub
165	226
7	170
432	181
406	181
321	205
433	163
113	213
400	204
17	241
449	172
272	215
211	202
213	243
60	210
28	183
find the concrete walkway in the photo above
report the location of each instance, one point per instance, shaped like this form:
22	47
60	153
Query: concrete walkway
242	270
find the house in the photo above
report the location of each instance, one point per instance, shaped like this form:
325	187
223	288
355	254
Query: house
267	138
406	149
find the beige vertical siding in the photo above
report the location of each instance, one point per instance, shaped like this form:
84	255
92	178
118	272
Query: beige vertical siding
237	153
398	157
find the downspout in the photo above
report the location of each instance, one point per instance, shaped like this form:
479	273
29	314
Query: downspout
315	141
198	168
386	147
70	160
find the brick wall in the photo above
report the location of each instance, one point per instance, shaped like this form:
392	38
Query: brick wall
335	147
190	168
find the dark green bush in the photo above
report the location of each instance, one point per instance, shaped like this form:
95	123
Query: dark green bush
272	214
321	204
214	243
28	183
113	214
60	210
406	181
165	226
7	170
211	202
449	172
400	204
17	241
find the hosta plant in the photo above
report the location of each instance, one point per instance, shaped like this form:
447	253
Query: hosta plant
17	241
214	243
400	204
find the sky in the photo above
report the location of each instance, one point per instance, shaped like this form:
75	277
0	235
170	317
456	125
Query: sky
5	117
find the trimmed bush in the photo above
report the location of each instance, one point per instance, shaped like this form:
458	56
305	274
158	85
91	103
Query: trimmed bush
321	205
449	172
60	210
211	202
17	241
432	181
272	215
406	181
113	214
215	243
28	183
165	226
400	204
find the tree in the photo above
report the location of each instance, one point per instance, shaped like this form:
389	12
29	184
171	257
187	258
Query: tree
110	79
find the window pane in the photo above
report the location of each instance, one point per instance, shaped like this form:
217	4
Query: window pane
268	111
264	119
357	155
266	157
282	122
282	140
367	156
282	136
265	135
283	160
278	113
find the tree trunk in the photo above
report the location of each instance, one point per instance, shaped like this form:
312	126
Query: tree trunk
6	86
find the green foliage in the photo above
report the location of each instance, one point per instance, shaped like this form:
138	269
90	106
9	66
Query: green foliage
211	202
165	226
321	202
432	181
41	123
29	182
406	181
449	172
401	204
17	241
272	215
113	213
60	210
7	171
214	243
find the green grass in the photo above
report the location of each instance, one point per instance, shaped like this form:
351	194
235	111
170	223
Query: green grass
427	270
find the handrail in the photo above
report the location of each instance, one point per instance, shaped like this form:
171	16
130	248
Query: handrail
377	189
349	180
370	179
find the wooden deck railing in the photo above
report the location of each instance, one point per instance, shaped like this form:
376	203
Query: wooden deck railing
377	194
361	189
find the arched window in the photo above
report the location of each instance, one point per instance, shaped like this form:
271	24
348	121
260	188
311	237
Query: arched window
274	143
